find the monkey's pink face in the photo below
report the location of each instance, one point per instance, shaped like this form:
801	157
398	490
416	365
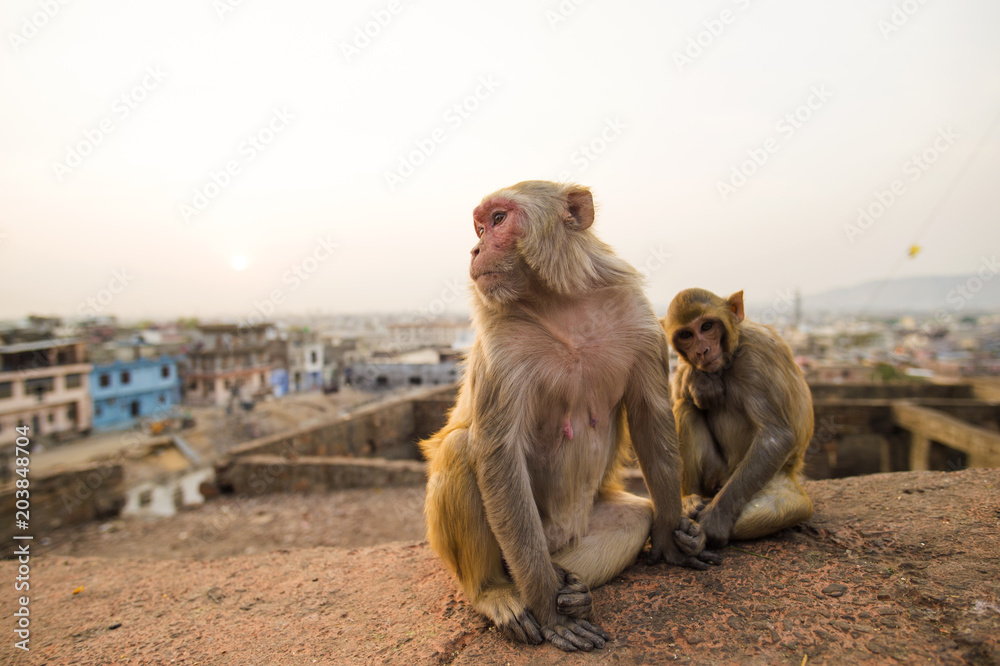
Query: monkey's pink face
495	257
700	342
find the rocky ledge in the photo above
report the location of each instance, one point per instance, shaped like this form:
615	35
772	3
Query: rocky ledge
893	567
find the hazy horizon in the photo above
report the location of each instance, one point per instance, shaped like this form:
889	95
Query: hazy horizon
204	158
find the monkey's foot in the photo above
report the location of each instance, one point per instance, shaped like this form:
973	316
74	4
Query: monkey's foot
692	505
522	628
572	634
574	598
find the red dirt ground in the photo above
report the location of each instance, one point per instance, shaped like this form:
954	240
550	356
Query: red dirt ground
891	568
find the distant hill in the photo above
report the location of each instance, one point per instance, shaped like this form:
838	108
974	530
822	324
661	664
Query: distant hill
904	295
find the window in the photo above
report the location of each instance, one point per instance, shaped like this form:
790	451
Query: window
98	411
52	417
71	413
126	377
312	357
39	385
165	371
163	398
73	381
104	380
6	389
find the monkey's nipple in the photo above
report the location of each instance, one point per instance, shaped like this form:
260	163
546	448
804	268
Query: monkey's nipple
593	421
568	429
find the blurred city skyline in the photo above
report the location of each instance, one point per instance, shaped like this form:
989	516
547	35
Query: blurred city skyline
208	158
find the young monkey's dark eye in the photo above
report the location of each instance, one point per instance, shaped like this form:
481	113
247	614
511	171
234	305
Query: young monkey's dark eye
707	326
685	335
499	217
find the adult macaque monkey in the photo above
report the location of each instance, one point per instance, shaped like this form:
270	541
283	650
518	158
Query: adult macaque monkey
744	418
524	498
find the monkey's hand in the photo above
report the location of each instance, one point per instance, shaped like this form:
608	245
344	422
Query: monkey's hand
522	628
572	634
574	598
685	549
716	524
689	537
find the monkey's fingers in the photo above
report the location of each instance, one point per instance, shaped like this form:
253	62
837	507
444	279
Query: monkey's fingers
689	537
594	629
574	604
694	563
687	543
577	636
523	628
710	557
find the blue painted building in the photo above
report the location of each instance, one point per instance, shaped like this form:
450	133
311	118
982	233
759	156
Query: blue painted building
124	392
279	382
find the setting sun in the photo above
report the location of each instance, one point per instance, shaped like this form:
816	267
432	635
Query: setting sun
239	262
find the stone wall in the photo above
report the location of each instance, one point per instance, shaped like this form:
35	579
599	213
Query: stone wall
86	493
895	391
261	474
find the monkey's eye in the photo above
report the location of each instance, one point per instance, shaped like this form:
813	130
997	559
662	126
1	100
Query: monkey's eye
499	217
685	334
707	326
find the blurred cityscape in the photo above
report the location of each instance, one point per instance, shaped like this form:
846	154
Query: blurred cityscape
67	379
146	418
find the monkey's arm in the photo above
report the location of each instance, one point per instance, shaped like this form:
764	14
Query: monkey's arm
511	511
512	514
704	470
772	443
654	438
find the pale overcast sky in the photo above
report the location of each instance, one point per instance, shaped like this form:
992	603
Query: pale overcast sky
205	157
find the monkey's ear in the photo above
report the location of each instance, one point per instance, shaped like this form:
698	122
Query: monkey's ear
735	303
580	205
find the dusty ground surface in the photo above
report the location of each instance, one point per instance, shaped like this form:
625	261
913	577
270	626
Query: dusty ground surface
892	568
227	526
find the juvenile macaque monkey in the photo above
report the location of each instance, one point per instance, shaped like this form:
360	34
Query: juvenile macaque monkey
744	419
524	498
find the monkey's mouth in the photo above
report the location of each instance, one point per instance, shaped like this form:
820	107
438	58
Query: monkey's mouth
713	364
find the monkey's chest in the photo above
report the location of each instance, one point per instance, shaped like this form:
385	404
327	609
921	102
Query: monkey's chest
580	386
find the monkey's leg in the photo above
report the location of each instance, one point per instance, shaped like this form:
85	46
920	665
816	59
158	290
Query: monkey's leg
460	534
619	527
779	504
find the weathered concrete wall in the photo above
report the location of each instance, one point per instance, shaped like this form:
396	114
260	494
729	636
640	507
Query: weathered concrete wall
260	474
981	446
900	391
385	430
375	430
74	496
855	430
430	415
986	388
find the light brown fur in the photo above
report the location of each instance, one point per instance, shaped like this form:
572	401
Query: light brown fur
744	419
525	502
